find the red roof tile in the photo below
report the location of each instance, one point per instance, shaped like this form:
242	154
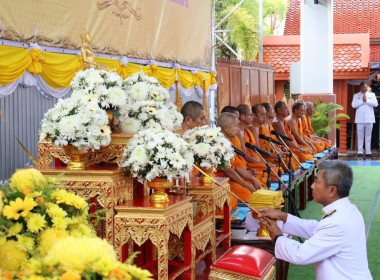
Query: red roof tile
347	57
375	53
358	16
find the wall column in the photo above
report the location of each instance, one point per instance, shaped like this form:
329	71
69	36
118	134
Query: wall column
317	52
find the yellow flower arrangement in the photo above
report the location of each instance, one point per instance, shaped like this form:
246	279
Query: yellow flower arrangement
36	212
27	179
84	258
45	234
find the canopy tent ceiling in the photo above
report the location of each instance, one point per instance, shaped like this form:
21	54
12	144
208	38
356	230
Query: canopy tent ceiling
164	30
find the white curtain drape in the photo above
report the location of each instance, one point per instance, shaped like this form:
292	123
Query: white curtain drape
34	80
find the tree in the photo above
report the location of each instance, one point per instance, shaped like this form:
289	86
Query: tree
242	26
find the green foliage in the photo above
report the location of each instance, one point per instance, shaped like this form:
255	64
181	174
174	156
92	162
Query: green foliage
244	33
243	24
321	122
274	13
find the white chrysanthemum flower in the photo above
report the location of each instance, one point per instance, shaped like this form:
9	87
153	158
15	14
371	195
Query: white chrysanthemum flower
68	125
116	97
202	149
139	155
130	125
139	91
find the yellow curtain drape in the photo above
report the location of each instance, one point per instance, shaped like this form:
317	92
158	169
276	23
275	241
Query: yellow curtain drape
57	69
13	63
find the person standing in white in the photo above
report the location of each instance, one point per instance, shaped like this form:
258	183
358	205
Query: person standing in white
364	102
336	244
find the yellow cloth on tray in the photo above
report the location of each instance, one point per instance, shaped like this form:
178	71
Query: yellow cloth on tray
266	198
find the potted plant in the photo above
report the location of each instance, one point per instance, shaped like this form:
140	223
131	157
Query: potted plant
322	122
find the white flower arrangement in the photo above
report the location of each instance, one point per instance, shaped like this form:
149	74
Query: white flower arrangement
210	147
156	154
77	122
148	106
149	114
103	87
140	87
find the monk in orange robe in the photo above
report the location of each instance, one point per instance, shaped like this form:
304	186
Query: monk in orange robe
282	126
250	121
242	182
308	114
302	130
194	115
254	164
274	149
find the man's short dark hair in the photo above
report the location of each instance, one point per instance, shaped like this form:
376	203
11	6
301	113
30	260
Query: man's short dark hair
191	109
255	108
229	109
339	174
278	105
296	106
266	105
243	109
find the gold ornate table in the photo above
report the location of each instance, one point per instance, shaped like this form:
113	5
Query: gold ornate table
113	153
203	242
140	220
209	200
107	186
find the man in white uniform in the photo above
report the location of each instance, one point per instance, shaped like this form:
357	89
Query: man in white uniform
364	102
336	244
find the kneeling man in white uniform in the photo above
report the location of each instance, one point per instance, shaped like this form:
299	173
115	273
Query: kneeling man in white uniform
336	244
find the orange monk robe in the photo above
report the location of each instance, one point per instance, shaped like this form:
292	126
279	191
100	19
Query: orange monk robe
238	161
259	167
265	145
302	128
301	156
261	176
326	142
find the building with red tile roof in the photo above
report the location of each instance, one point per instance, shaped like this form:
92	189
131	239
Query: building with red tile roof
356	49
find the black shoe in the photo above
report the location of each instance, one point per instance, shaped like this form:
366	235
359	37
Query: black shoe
369	156
360	155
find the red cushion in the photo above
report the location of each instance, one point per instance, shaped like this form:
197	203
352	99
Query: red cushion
246	260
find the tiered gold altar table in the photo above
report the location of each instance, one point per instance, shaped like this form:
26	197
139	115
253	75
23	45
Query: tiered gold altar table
209	200
107	185
140	220
113	153
132	218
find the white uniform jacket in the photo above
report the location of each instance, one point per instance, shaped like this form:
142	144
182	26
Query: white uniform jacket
364	110
336	245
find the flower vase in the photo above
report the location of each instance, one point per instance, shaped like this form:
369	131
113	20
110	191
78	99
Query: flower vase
78	159
159	185
208	180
